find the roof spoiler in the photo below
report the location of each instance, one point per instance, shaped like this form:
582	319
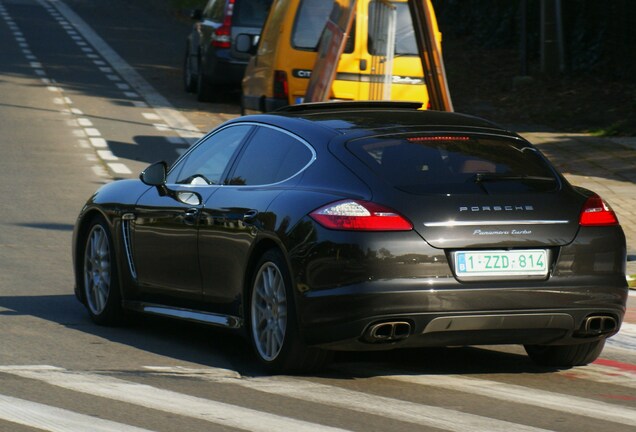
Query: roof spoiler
318	106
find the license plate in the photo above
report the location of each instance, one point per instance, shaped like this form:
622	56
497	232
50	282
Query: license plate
501	263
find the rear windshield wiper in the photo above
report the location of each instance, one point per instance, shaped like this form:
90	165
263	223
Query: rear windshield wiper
487	177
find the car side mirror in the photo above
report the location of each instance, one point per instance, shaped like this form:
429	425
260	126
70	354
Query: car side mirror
246	44
155	174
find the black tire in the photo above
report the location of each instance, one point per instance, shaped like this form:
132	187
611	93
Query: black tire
205	90
99	278
243	112
565	355
272	322
189	75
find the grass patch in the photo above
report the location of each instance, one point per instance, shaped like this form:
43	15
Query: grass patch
619	128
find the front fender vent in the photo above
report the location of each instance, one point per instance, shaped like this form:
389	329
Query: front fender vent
125	228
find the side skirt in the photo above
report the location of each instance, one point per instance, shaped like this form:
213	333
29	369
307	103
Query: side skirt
217	320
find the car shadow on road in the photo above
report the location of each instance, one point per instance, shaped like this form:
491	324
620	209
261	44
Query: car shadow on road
147	148
217	348
169	338
467	360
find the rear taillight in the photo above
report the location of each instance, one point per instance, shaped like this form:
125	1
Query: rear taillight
596	212
222	37
353	215
281	87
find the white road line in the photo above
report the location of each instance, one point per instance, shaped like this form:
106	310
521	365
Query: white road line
625	339
150	116
53	419
98	142
99	171
168	401
92	132
403	411
603	374
119	168
161	127
106	155
523	395
172	117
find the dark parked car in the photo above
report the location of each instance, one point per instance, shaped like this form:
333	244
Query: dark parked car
360	226
211	60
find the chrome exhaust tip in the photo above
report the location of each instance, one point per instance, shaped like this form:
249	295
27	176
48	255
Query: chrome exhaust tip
388	331
600	324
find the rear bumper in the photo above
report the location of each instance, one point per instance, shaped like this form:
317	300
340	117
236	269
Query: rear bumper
349	282
224	70
352	318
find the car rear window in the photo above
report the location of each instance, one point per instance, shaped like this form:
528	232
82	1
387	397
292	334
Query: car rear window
424	163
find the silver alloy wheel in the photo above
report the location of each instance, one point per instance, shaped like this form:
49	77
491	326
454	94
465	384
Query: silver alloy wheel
97	269
269	311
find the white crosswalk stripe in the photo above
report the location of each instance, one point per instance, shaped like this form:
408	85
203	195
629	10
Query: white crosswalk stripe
522	395
103	384
53	419
603	374
165	400
404	411
625	339
419	414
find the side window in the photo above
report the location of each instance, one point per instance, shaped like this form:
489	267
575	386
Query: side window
310	20
405	43
271	156
206	163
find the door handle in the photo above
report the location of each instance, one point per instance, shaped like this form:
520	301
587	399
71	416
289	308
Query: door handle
190	216
250	215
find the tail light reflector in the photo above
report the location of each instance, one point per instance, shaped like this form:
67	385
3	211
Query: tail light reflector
281	86
350	215
597	212
222	37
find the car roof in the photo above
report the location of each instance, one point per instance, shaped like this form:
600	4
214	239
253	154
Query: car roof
376	117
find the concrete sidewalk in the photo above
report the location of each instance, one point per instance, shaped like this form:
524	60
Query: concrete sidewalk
605	165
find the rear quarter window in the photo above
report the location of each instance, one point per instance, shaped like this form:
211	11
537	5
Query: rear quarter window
271	156
421	164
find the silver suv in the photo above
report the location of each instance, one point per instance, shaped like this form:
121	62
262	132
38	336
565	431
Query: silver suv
211	59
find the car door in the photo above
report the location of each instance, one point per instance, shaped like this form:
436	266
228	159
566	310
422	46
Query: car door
166	225
237	214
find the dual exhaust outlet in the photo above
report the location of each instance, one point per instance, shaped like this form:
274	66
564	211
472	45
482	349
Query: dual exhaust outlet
393	331
599	324
388	331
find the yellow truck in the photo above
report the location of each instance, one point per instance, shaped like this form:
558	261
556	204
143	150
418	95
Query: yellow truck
380	60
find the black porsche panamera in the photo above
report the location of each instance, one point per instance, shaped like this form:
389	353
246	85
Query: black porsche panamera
359	226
